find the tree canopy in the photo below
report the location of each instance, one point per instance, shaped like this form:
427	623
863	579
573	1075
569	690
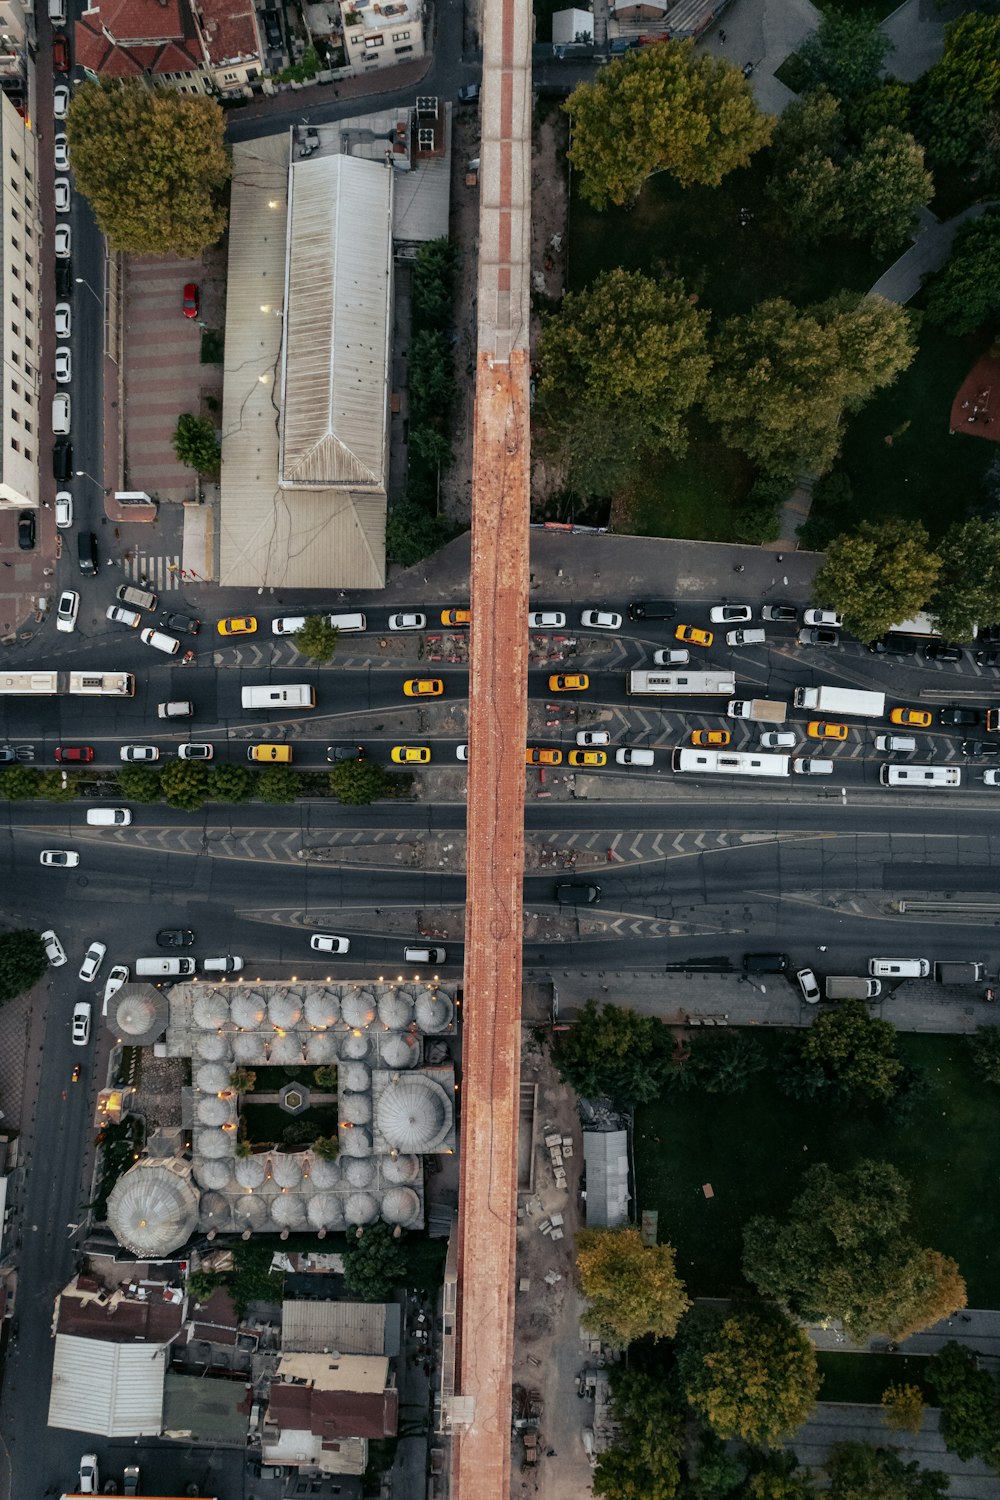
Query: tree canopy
613	1050
878	575
968	584
632	1290
858	1471
844	1252
317	639
662	109
196	443
750	1372
849	1054
375	1264
965	293
969	1398
846	52
903	1408
953	98
153	164
358	782
22	962
984	1045
644	1461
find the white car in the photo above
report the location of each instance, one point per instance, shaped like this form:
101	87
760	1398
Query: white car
462	753
62	195
67	859
324	942
118	615
64	365
777	739
81	1036
808	986
407	622
119	975
63	241
64	509
54	950
60	101
991	778
64	320
62	412
546	619
730	614
593	737
601	619
672	656
92	962
134	753
288	624
60	151
67	610
89	1480
822	617
195	752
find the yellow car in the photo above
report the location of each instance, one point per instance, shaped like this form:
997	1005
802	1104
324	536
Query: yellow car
270	753
916	718
818	730
711	737
423	687
542	757
244	625
410	755
693	636
588	758
575	682
456	617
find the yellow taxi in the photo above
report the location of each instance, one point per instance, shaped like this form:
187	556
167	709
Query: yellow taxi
588	758
916	718
693	636
817	729
238	625
573	682
423	687
410	755
270	754
710	737
456	617
534	757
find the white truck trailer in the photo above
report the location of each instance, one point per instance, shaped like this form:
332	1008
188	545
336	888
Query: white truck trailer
834	700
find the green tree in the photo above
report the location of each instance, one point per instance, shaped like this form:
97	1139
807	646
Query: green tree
720	1473
860	1472
968	585
433	284
243	1080
884	187
624	361
277	784
358	782
643	1463
326	1077
984	1045
854	1055
632	1290
153	163
612	1050
196	443
886	104
413	533
903	1408
326	1147
185	783
22	962
845	54
953	98
965	293
52	786
201	1284
749	1373
231	783
317	639
432	377
662	109
777	1476
724	1062
252	1277
884	573
969	1398
139	783
375	1263
19	783
844	1252
431	447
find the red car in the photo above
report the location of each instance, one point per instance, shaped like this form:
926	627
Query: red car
190	303
60	52
75	752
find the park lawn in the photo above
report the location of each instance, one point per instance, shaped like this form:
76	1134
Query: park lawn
863	1378
693	497
753	1147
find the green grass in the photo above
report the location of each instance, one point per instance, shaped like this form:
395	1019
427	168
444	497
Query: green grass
753	1148
863	1378
695	497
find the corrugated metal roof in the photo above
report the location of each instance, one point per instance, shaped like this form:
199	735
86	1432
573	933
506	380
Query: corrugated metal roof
113	1390
606	1157
350	1327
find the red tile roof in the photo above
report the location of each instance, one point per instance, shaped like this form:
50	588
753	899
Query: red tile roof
230	30
129	38
131	21
125	1322
332	1415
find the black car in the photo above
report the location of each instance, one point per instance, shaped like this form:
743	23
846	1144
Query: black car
652	609
345	752
578	895
939	651
183	623
26	530
819	635
891	645
468	93
62	459
765	963
955	717
989	635
977	749
64	279
174	937
272	28
988	658
781	614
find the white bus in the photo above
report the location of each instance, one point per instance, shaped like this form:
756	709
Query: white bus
673	684
85	684
911	775
730	762
284	695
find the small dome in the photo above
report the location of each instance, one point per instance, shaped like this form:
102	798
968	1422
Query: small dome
325	1211
289	1211
357	1108
400	1169
359	1172
360	1208
355	1142
283	1009
153	1207
247	1008
213	1174
356	1077
213	1144
355	1048
250	1211
324	1173
322	1008
215	1211
358	1008
414	1114
434	1012
212	1078
321	1047
286	1051
286	1170
401	1205
211	1047
250	1171
395	1011
210	1009
399	1050
249	1048
211	1110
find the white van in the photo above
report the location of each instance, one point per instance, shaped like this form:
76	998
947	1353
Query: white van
109	817
346	623
285	695
898	744
161	641
899	968
163	968
752	637
57	12
60	414
626	756
231	964
176	708
920	776
424	955
812	766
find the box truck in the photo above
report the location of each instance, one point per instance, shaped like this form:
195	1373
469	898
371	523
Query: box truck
966	972
832	700
849	987
760	710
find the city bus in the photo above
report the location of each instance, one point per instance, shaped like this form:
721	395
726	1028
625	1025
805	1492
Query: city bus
730	763
81	684
674	684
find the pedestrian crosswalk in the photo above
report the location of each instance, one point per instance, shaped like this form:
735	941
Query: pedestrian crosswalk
161	571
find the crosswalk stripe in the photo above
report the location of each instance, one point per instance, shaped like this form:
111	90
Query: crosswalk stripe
162	571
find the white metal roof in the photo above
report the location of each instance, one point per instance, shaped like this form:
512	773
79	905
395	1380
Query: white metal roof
606	1156
113	1390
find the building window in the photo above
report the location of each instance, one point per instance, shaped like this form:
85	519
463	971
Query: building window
28	176
15	445
27	259
28	286
15	216
374	41
15	242
15	329
401	50
13	414
27	343
15	358
401	36
15	158
28	454
230	77
15	388
27	425
15	300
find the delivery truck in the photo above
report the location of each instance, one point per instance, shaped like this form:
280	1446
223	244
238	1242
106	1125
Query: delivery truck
832	700
850	987
760	710
964	972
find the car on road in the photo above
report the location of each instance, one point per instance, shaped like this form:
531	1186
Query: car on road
634	755
118	976
60	151
672	656
60	101
136	598
238	625
822	617
269	752
410	755
820	635
65	859
62	412
693	635
186	624
92	961
175	937
63	196
175	708
778	739
160	641
64	279
462	752
64	366
765	963
456	617
67	610
325	942
89	1479
913	718
109	817
423	687
63	241
119	616
742	636
130	1479
991	778
64	510
81	1036
196	750
601	619
26	530
705	737
468	93
546	619
63	317
652	609
62	459
587	758
895	744
569	682
954	716
60	52
411	621
808	986
730	614
287	624
190	300
230	963
415	955
578	893
70	754
136	754
593	737
989	658
781	614
54	950
821	729
891	645
979	749
941	651
536	757
337	753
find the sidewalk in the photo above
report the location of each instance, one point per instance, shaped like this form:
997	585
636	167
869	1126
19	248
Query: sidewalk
976	1328
929	251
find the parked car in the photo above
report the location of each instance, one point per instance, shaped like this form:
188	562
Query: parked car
63	315
81	1036
54	950
60	101
62	413
941	651
587	758
64	509
272	29
578	893
64	365
175	937
89	1481
544	619
326	942
67	610
93	959
955	716
410	755
190	301
74	754
63	241
456	617
891	645
26	530
136	754
536	756
808	986
730	614
601	619
196	750
118	976
60	52
781	614
822	617
989	658
410	621
63	195
819	636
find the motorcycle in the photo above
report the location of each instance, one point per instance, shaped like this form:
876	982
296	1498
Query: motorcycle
76	1074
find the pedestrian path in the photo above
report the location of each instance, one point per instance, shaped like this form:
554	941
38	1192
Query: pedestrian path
162	571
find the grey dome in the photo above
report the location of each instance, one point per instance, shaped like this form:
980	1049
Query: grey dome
401	1169
325	1211
213	1174
355	1048
213	1144
286	1170
153	1207
210	1009
434	1012
360	1208
322	1008
395	1011
359	1172
212	1078
399	1050
288	1210
355	1142
321	1047
355	1076
247	1008
284	1010
249	1048
355	1108
286	1051
358	1008
250	1171
215	1211
401	1205
324	1173
137	1012
211	1110
211	1047
414	1114
250	1211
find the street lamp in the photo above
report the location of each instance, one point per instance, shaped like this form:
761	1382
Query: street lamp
82	474
82	281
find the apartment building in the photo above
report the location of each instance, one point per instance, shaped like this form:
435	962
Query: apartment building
379	33
21	264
